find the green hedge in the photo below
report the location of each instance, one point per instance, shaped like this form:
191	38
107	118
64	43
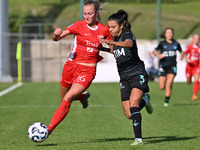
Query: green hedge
145	1
133	1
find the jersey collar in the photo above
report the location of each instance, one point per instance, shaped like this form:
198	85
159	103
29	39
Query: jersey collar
94	29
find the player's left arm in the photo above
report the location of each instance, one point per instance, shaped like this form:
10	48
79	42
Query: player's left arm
181	52
182	56
104	42
128	43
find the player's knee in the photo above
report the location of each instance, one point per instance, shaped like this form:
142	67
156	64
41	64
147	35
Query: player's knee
68	98
188	83
162	87
134	105
128	115
61	98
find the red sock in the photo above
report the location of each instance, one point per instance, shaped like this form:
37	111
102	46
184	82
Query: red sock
195	87
80	97
59	115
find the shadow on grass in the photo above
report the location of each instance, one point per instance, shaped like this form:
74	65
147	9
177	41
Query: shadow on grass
152	140
47	145
187	104
147	140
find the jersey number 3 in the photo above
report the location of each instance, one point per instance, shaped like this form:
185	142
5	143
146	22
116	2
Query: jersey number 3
142	80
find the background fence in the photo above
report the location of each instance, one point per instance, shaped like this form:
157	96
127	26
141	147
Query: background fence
43	59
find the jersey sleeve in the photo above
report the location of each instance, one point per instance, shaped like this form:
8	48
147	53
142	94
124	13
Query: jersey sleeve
179	48
74	28
187	50
159	47
128	35
108	36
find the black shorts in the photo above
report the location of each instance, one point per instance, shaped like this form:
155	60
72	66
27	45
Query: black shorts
163	71
137	81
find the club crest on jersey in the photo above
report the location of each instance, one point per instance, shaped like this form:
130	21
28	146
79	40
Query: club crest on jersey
175	47
100	36
81	79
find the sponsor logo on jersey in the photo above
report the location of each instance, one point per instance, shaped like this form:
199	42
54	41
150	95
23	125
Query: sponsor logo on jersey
169	53
89	43
117	53
187	75
135	124
161	70
122	86
90	49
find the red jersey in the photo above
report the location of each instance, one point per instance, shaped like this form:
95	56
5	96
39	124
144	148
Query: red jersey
193	52
86	41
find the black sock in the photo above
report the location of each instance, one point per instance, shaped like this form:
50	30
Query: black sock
142	104
167	99
137	120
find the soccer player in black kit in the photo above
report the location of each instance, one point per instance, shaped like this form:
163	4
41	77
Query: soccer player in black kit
133	77
166	53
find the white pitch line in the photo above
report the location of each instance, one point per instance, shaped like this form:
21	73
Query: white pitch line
10	89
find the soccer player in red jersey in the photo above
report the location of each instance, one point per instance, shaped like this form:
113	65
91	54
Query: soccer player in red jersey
192	54
80	69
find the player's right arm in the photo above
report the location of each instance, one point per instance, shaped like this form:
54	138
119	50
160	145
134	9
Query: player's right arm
59	34
187	51
155	51
186	58
160	56
108	48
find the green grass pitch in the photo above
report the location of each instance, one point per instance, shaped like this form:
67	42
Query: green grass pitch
102	125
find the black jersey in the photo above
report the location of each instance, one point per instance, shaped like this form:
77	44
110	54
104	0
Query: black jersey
169	52
127	59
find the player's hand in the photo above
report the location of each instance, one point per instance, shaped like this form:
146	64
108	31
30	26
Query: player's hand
105	41
181	57
58	32
189	61
111	48
161	56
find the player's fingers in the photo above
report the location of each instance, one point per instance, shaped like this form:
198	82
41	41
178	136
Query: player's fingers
58	31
